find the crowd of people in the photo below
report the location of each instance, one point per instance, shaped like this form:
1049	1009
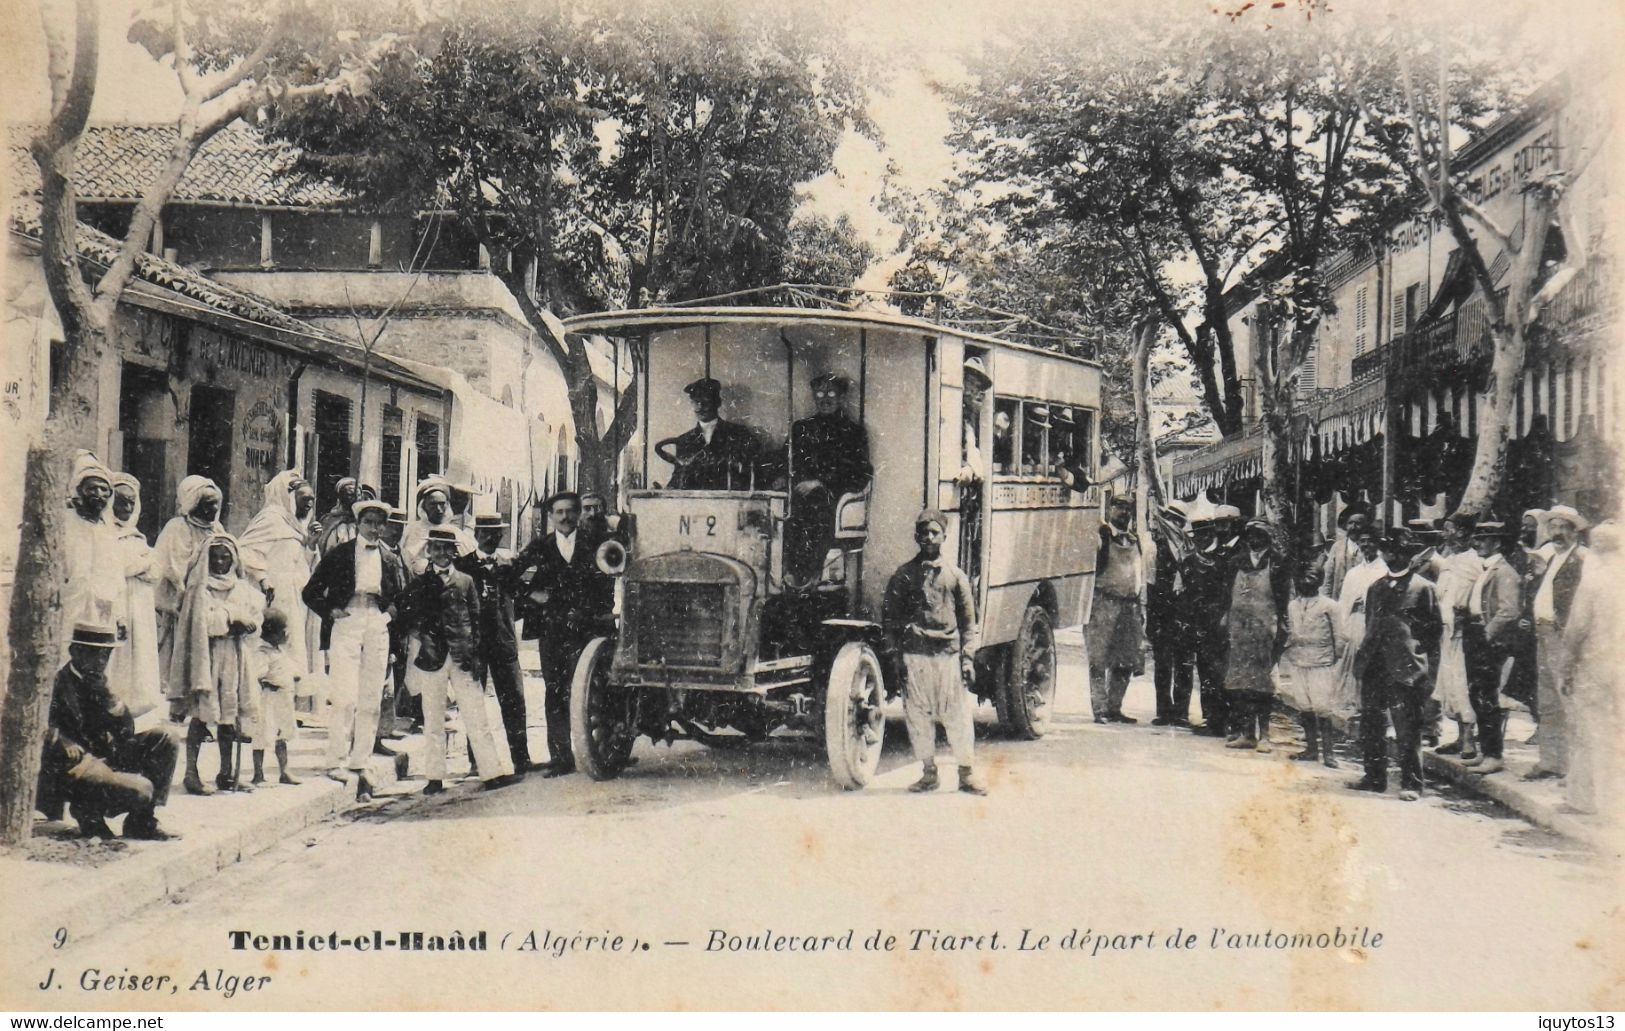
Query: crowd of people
338	619
1457	620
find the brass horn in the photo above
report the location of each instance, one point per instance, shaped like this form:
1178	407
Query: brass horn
611	557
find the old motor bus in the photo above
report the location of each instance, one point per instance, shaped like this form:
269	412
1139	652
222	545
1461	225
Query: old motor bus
716	642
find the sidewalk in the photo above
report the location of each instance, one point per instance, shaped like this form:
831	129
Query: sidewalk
85	885
1541	802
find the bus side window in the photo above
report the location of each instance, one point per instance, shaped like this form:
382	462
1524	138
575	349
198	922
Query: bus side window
1083	421
1062	439
1034	439
1006	413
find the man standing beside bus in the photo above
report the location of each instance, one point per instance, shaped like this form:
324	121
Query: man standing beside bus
929	617
1115	621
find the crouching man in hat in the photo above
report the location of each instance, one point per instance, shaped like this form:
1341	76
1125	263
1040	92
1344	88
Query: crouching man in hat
94	759
929	617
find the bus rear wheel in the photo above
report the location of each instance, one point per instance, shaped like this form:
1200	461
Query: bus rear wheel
854	721
602	724
1027	693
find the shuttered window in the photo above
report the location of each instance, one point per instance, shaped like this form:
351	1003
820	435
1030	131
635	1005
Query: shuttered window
1362	318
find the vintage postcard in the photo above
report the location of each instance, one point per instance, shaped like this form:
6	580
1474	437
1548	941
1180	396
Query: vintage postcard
708	505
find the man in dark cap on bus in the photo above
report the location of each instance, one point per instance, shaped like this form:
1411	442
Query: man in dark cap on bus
829	457
716	454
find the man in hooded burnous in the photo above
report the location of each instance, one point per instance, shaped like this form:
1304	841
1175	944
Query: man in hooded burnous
433	512
279	551
196	519
94	587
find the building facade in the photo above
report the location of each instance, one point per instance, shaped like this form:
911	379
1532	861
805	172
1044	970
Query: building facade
1388	400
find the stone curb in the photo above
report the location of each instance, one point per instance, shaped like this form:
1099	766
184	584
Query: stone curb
169	872
1506	788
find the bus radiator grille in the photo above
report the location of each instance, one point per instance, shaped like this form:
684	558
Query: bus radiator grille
680	624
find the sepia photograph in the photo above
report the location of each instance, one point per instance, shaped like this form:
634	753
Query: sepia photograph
714	505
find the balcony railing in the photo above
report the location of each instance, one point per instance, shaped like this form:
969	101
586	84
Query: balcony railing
1370	362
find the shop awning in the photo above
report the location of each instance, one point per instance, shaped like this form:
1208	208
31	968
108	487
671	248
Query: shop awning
490	442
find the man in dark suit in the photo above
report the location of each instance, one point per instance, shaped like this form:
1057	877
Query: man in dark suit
571	602
1402	628
715	454
494	571
1549	603
94	759
353	590
442	611
829	457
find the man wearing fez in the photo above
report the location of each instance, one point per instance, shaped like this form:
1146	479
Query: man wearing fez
1115	621
571	601
493	571
829	457
929	617
1402	628
94	760
716	454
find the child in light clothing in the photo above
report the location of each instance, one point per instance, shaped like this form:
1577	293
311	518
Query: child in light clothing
278	682
1309	666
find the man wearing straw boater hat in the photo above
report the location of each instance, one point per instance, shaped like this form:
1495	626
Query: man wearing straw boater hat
1490	635
354	589
495	574
1551	600
94	760
441	610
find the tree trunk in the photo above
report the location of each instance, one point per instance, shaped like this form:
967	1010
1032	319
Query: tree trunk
35	641
1275	440
1497	410
1150	493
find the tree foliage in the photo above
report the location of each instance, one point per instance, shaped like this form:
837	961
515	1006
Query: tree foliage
634	153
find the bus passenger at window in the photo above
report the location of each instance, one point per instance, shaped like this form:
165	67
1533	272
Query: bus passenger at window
829	457
716	454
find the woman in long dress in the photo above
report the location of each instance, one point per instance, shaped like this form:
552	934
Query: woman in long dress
132	673
212	674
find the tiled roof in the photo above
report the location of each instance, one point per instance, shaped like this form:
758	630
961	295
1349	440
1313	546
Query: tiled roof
98	247
237	166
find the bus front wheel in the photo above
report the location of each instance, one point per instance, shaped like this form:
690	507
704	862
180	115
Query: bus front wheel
602	724
854	722
1027	693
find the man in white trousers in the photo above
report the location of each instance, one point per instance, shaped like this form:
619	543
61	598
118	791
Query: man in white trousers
442	614
354	590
